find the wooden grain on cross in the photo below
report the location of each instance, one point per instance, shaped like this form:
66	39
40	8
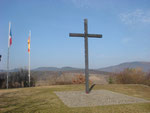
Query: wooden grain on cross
86	35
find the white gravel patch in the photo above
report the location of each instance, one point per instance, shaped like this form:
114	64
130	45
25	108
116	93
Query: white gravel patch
96	98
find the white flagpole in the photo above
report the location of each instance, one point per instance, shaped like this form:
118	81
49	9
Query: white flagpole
8	55
29	60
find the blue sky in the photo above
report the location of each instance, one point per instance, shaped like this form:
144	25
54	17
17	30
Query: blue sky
124	24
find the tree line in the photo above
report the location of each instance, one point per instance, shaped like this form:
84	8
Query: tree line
16	79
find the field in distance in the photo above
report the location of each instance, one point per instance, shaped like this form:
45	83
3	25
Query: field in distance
44	100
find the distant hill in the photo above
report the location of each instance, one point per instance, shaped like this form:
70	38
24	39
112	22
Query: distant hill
56	69
69	69
12	70
40	70
46	69
2	70
145	66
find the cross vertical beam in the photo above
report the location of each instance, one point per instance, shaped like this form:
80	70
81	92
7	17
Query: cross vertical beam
86	56
86	35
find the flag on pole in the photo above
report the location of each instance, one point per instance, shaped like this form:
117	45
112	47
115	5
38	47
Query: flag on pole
29	55
9	44
29	44
10	38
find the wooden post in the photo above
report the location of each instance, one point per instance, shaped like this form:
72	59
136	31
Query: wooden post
86	35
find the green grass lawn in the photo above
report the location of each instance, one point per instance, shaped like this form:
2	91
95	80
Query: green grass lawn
44	100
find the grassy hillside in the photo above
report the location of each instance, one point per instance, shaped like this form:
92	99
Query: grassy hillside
44	100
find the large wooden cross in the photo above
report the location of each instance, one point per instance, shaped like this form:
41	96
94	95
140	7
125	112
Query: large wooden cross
86	35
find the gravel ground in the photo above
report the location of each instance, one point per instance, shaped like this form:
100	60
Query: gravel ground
96	98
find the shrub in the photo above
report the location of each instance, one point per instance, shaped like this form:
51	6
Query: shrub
79	79
110	80
131	76
2	80
147	79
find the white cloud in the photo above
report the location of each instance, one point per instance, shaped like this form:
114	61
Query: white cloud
135	17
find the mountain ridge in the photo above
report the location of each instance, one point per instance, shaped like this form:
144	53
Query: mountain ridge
145	66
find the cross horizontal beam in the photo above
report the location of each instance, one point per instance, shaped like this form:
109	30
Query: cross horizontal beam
76	35
83	35
95	35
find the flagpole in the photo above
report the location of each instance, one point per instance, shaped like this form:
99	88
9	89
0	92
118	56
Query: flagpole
7	68
29	60
8	55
